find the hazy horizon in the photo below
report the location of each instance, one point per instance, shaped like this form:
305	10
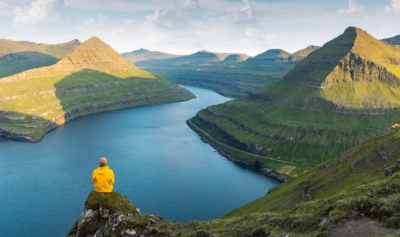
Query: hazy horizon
188	26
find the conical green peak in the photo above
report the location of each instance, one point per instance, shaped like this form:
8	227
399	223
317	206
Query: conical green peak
94	54
351	36
355	30
352	56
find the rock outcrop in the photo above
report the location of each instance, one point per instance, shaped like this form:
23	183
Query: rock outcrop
111	214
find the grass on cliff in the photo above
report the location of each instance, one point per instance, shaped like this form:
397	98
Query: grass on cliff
292	123
349	188
362	165
19	62
32	106
378	201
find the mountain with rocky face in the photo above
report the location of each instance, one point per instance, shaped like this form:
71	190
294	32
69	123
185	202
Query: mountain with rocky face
331	101
353	62
93	78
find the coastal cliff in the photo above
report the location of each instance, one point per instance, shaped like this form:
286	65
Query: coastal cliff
93	78
334	99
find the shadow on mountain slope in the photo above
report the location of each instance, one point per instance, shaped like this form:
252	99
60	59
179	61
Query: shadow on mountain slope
13	63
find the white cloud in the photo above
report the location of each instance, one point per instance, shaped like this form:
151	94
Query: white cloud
39	11
86	24
182	14
256	35
354	7
244	14
92	22
4	8
394	6
131	6
127	24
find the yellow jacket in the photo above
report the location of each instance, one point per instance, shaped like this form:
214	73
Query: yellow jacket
103	179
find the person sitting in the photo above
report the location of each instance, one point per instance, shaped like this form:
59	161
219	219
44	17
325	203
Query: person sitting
103	177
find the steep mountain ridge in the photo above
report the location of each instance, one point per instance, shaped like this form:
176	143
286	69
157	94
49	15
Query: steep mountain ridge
355	48
331	101
56	50
94	54
93	78
18	56
354	61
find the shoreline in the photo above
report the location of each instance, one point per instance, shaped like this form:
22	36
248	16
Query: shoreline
267	171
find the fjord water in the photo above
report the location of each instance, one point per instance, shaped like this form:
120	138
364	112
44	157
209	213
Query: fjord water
160	164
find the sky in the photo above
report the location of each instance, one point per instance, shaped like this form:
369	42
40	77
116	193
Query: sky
187	26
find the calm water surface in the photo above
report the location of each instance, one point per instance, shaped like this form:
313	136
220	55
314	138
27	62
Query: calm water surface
160	164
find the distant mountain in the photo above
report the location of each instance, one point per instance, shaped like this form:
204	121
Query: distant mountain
279	55
18	56
198	58
144	55
236	58
55	50
303	53
224	56
395	40
93	78
331	101
272	55
233	75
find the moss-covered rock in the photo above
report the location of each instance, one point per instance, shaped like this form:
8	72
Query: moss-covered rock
111	214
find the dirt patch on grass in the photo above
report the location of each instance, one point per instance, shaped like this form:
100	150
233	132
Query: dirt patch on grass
361	227
287	169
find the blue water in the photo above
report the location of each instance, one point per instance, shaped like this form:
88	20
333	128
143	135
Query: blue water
160	164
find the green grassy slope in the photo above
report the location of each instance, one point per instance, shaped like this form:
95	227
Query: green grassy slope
354	184
235	76
18	62
18	56
94	78
55	50
313	114
349	195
